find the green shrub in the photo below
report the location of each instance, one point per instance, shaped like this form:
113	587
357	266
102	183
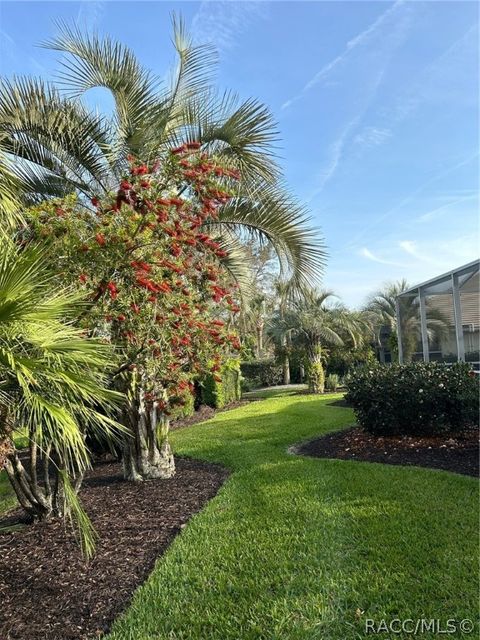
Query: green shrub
262	373
218	394
184	410
332	382
415	398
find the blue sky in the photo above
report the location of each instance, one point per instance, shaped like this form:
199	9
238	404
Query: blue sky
377	104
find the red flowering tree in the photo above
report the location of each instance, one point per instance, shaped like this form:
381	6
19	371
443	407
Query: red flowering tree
155	285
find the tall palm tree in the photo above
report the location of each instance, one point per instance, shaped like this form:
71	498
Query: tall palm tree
383	310
60	146
316	323
52	386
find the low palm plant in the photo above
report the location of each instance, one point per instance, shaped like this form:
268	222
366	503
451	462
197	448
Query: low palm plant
315	324
382	308
52	387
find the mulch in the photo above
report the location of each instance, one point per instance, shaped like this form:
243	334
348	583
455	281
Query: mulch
47	591
458	453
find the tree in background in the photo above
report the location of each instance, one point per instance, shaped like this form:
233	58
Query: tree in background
383	310
315	324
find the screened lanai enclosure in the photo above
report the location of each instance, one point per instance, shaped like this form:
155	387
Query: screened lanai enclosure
439	320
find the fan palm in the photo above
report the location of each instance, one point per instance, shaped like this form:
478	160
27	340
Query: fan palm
52	386
60	146
315	323
383	307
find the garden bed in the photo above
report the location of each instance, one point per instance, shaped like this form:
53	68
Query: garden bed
458	453
48	591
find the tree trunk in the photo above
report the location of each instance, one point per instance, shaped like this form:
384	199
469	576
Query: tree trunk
40	499
316	375
146	452
260	326
286	360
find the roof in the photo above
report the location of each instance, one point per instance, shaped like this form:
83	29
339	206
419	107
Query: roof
442	284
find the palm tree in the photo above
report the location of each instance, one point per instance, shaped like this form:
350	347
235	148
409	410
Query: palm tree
61	147
315	324
383	310
52	386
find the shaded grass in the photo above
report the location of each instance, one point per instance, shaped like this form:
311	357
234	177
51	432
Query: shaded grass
8	499
292	547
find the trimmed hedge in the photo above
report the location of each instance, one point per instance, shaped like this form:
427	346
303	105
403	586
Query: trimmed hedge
415	398
218	394
261	373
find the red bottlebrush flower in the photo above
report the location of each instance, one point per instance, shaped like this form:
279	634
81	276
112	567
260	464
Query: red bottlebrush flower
100	238
152	299
82	277
186	292
221	253
163	202
134	307
175	249
234	308
142	170
130	158
121	318
60	212
145	184
112	287
193	145
178	150
218	323
125	185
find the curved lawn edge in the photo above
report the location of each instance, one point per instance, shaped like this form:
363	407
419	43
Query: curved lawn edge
353	444
291	547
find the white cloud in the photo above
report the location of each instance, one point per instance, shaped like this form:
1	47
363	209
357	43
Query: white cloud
438	212
372	136
366	253
222	22
361	38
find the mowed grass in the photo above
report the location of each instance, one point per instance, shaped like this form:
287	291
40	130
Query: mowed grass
297	548
7	495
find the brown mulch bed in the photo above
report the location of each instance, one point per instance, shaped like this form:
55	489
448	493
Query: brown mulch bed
204	413
48	592
458	453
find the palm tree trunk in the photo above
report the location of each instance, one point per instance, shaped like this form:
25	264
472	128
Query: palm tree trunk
286	360
40	499
315	373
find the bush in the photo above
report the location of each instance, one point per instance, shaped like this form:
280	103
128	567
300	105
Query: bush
218	394
332	382
185	409
414	399
261	373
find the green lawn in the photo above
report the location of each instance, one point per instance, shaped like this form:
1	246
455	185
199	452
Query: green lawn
291	547
7	496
